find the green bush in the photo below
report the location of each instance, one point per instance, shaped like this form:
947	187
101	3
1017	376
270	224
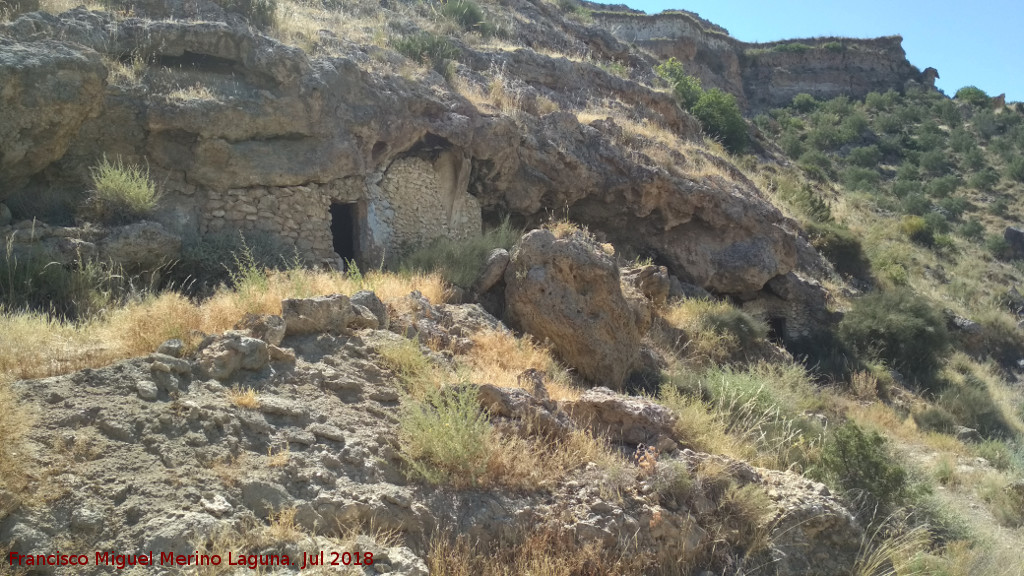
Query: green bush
962	141
943	186
459	261
31	281
973	229
972	405
935	418
972	95
934	162
817	164
901	328
802	196
427	48
720	115
1015	170
468	15
445	439
917	230
917	204
986	123
804	103
687	89
121	194
955	206
834	46
791	144
998	247
888	124
855	178
859	465
865	156
974	159
212	259
841	247
984	180
797	47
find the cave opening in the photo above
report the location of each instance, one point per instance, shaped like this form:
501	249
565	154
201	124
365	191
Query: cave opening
345	231
777	328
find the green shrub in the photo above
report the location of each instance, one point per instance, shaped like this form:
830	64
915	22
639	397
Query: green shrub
804	103
917	204
834	46
986	123
973	229
971	403
962	141
999	208
801	195
865	156
841	247
934	162
687	89
817	164
901	328
459	261
121	194
984	180
855	178
1015	170
212	259
998	247
427	48
1001	454
937	222
888	124
797	47
942	187
791	144
936	419
955	206
445	439
972	95
908	171
468	15
917	229
858	464
840	106
720	115
974	159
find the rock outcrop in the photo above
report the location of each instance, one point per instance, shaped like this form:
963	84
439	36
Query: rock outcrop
274	139
566	290
767	75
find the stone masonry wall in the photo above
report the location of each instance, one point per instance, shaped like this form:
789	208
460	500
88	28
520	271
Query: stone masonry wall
413	201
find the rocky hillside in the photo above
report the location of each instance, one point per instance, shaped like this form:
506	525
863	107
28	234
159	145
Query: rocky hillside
505	287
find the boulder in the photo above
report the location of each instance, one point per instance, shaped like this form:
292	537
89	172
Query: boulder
323	314
49	89
567	291
140	246
625	419
652	281
523	411
363	318
1015	239
267	327
371	302
492	272
231	352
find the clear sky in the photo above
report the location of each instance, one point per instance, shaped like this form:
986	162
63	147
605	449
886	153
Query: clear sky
980	44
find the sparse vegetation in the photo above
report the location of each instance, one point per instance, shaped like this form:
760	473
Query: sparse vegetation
459	261
122	193
717	111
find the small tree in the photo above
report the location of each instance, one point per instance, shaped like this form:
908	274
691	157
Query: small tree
972	95
720	115
686	88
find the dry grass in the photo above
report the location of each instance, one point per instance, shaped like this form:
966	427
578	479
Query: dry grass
194	93
538	552
35	345
15	421
127	74
278	458
244	397
498	357
713	332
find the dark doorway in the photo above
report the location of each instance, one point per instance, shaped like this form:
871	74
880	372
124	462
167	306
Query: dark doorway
344	230
777	328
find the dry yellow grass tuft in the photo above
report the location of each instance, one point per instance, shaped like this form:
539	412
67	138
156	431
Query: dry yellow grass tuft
713	332
498	358
244	397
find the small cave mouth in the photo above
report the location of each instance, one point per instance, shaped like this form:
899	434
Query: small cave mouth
777	328
345	231
429	147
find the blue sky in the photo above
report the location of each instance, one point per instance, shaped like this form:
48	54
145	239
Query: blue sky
980	44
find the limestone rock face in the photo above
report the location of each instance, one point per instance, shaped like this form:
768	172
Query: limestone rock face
143	245
325	314
625	419
567	291
47	90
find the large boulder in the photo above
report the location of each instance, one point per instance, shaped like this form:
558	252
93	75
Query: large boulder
566	290
47	90
318	315
625	419
140	246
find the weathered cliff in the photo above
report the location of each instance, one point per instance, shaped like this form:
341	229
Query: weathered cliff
769	74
